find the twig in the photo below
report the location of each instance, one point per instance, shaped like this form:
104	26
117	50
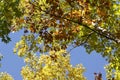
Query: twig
82	43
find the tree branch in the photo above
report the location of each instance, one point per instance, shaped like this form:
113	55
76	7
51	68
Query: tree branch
97	30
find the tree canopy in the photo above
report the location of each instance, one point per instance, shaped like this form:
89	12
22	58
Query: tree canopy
55	25
53	66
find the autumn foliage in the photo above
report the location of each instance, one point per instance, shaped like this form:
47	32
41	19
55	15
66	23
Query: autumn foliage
52	26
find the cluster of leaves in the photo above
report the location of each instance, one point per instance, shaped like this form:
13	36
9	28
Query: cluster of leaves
8	11
76	22
5	76
55	65
117	75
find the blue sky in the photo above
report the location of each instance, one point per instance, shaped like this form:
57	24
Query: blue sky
12	64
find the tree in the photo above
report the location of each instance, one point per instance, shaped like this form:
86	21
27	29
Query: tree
52	25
